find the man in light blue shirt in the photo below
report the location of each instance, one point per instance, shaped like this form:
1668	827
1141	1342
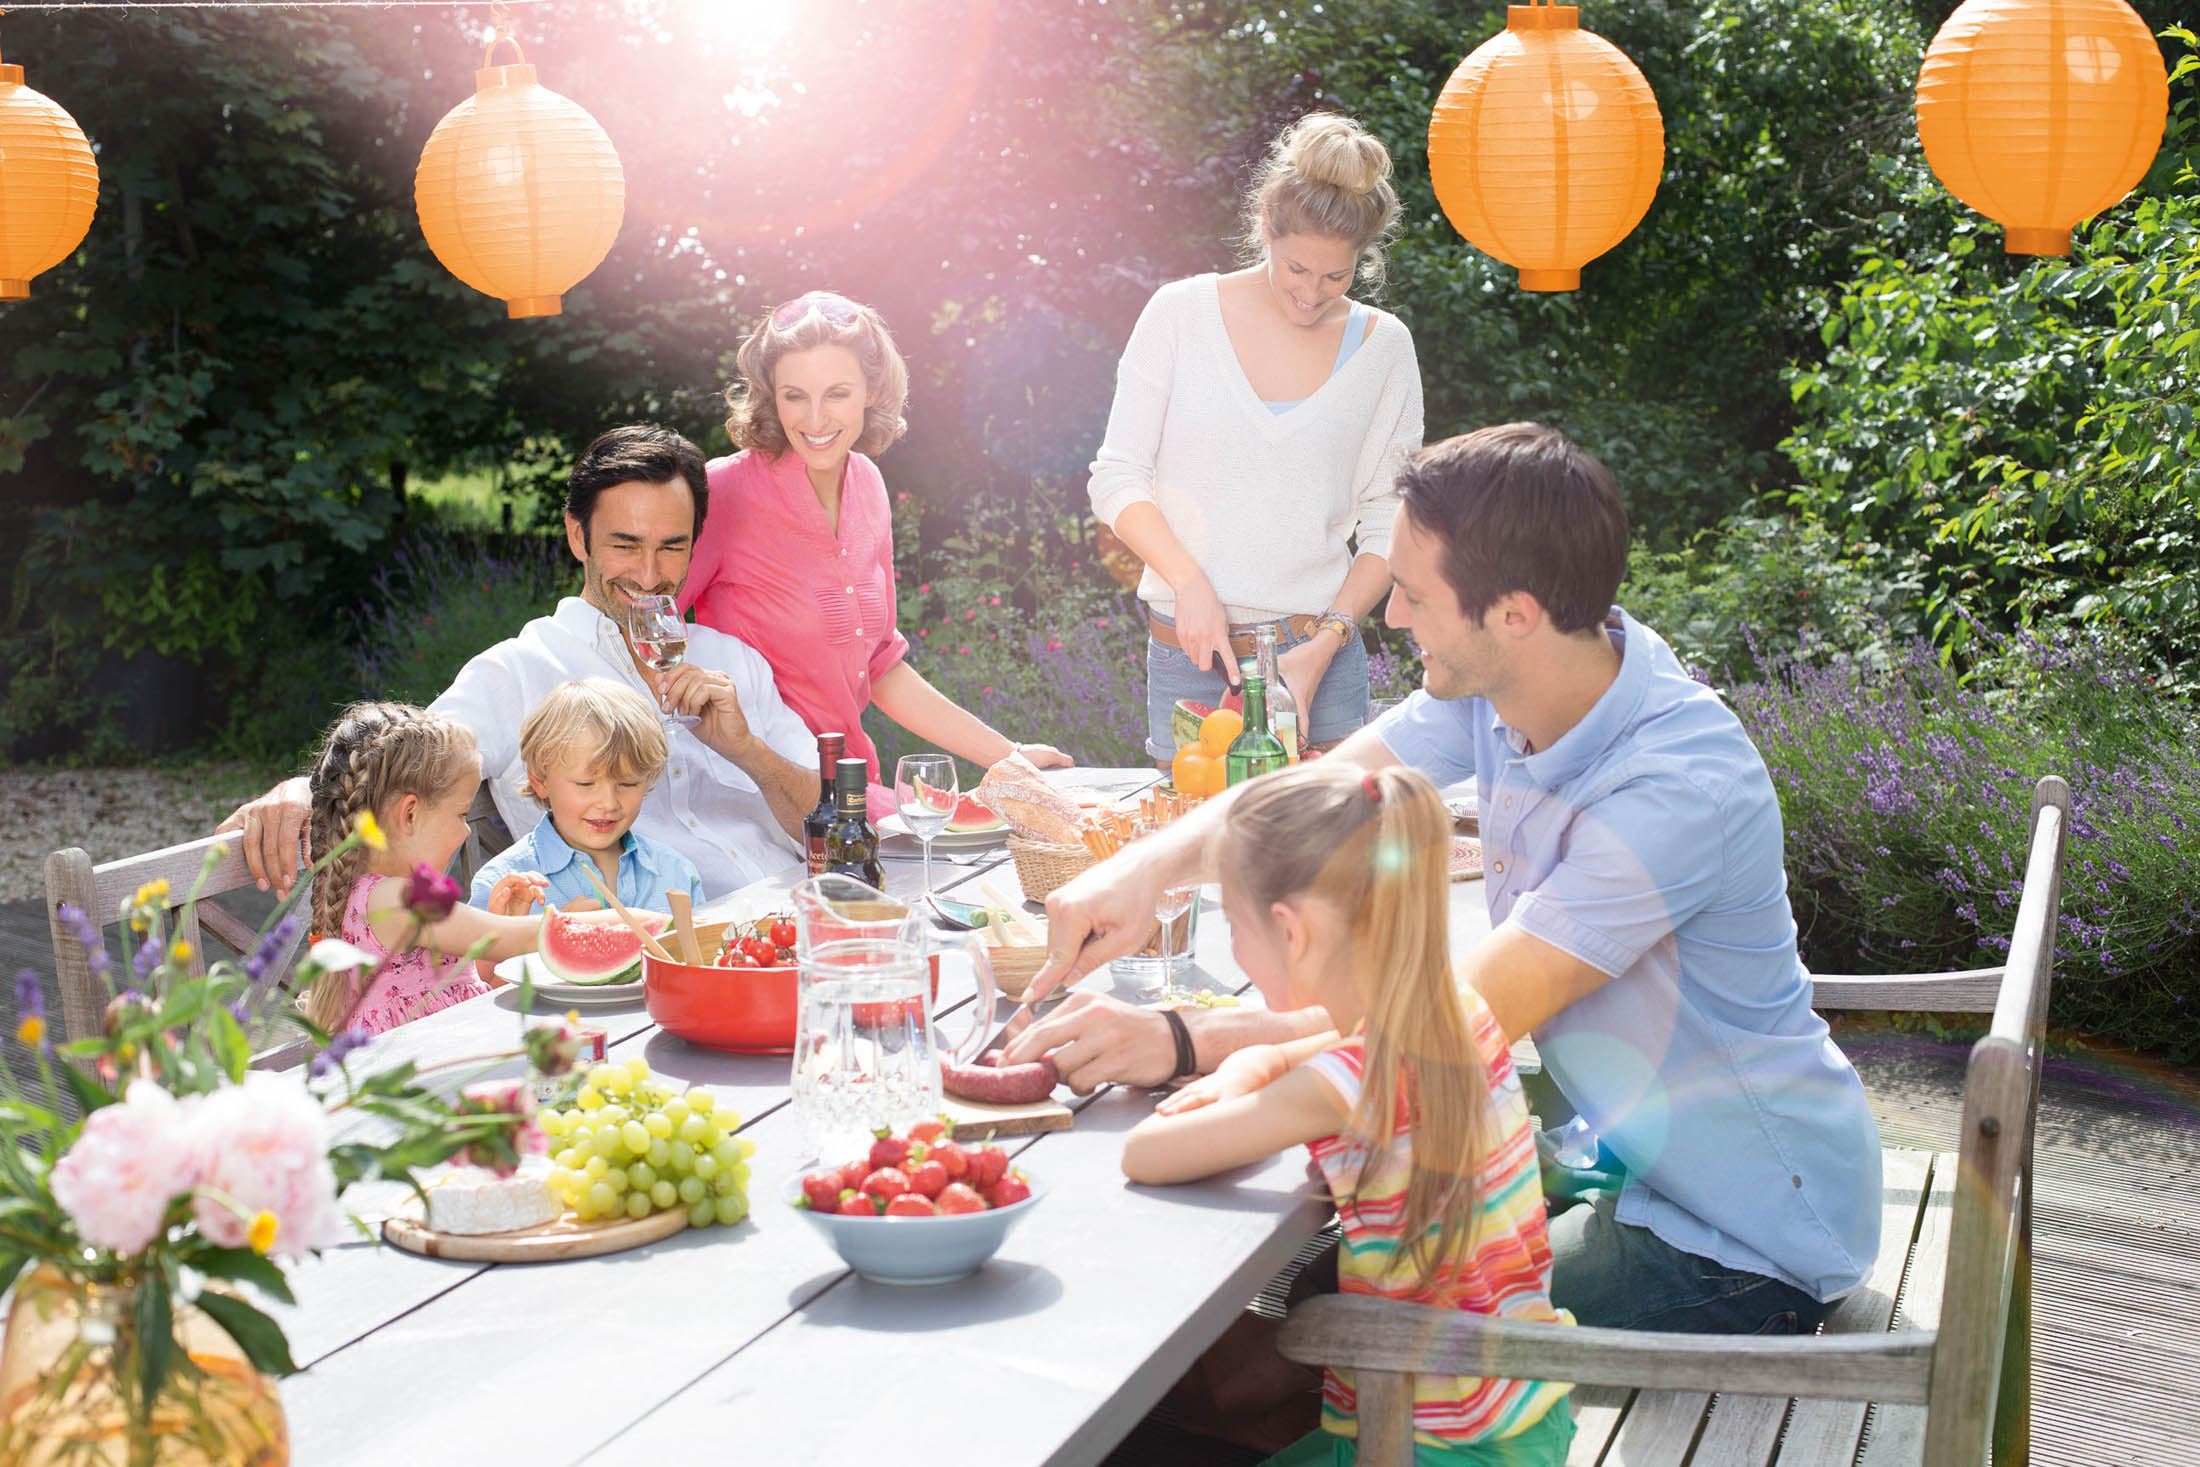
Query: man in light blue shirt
1641	929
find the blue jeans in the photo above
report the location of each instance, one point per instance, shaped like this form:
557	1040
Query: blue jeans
1624	1277
1340	702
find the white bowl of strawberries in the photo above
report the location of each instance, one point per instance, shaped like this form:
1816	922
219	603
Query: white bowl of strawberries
921	1208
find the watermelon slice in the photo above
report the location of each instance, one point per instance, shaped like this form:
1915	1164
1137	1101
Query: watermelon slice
594	948
970	815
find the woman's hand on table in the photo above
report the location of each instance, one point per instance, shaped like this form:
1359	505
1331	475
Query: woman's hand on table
1302	668
1203	628
1250	1069
1096	1040
1042	756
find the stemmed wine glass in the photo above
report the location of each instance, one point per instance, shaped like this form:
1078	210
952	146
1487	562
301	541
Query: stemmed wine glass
926	789
660	637
1173	903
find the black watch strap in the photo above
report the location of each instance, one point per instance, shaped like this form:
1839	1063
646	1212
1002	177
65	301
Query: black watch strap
1187	1060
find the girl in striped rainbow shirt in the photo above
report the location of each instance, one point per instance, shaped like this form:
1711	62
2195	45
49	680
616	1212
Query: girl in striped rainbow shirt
1335	884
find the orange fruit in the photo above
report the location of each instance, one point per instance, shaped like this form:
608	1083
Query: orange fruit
1219	729
1196	772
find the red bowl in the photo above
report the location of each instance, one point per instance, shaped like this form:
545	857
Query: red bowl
746	1010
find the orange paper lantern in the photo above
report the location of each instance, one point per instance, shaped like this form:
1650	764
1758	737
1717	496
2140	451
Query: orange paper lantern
49	184
520	192
2040	113
1546	146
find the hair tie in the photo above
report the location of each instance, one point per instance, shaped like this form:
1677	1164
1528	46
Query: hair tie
1370	788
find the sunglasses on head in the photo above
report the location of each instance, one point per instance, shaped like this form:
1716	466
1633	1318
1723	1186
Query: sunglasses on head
838	310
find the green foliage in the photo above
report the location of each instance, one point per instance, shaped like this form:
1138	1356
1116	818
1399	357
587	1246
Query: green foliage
441	599
2026	429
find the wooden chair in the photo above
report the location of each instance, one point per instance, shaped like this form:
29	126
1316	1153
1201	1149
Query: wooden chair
99	890
1929	1362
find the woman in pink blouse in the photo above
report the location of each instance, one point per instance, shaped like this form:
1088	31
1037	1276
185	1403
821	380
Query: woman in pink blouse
797	554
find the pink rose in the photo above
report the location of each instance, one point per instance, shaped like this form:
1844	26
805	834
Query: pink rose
501	1152
265	1145
130	1162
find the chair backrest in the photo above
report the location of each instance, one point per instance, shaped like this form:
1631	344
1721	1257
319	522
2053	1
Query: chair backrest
99	890
1981	1385
486	835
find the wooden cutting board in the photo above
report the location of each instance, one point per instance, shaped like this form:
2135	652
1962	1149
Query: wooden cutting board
560	1238
974	1120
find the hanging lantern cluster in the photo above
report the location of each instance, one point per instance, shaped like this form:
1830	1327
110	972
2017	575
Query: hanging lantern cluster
519	190
2041	113
49	184
1546	146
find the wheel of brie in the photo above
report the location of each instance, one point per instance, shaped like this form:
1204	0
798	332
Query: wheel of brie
473	1199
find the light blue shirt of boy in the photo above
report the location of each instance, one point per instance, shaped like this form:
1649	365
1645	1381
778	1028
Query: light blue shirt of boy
647	870
1647	843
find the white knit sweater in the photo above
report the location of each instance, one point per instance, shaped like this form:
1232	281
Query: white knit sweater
1264	502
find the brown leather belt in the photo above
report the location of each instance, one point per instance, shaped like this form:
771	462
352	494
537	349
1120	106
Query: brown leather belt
1241	636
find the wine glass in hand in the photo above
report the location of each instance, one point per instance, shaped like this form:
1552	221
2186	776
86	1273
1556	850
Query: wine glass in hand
925	787
660	638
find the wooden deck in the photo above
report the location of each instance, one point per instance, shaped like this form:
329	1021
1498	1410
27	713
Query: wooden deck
2116	1362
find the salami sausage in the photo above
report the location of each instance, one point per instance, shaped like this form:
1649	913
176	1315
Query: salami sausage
990	1084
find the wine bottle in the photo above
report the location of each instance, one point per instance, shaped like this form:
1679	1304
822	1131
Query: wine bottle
851	844
1283	709
1255	751
814	824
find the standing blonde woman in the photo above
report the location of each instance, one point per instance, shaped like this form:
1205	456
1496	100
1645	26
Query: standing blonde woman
796	557
1259	418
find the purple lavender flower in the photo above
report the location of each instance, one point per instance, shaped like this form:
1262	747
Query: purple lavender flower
87	936
30	1010
277	940
340	1049
146	959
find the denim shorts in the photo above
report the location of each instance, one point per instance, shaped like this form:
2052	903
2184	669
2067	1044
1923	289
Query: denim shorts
1340	702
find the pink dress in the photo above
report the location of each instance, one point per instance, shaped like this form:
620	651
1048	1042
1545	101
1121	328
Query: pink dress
415	983
819	606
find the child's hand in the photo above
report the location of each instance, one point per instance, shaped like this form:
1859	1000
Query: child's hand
1250	1069
517	894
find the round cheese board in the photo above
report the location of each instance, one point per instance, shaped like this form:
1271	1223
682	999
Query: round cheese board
564	1236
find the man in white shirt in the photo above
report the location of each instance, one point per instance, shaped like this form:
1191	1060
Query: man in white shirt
741	777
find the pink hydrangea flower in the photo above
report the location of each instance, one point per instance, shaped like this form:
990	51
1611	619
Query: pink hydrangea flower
130	1162
264	1145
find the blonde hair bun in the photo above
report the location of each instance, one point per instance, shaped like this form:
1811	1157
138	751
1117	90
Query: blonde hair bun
1327	149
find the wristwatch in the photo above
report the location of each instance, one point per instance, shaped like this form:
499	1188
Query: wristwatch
1336	621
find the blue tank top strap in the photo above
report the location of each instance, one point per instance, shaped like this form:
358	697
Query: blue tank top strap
1355	331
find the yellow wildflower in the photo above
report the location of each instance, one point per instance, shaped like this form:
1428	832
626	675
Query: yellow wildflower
261	1235
179	951
370	831
31	1030
151	892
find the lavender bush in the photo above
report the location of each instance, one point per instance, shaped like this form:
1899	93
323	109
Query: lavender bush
1906	791
438	600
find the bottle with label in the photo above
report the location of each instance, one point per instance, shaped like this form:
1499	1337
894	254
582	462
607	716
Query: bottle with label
1283	709
829	746
1255	751
851	843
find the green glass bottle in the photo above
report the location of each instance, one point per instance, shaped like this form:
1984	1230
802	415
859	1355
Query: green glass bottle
851	844
1256	750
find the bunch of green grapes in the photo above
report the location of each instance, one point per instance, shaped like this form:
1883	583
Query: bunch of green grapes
634	1144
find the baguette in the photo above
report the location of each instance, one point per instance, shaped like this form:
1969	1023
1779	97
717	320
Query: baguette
1014	790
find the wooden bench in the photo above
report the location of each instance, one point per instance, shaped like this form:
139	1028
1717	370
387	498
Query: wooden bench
1929	1362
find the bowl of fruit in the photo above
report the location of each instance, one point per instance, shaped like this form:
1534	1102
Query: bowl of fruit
742	1000
921	1208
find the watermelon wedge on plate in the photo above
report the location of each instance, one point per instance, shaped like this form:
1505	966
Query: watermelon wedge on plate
594	949
970	816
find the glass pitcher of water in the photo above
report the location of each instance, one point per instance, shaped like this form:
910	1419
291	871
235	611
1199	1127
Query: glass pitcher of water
866	1052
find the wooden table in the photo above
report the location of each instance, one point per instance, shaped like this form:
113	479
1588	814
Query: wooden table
755	1343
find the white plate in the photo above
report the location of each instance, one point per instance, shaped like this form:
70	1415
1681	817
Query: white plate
548	985
948	840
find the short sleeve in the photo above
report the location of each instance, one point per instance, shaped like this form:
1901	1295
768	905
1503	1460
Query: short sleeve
1435	736
1340	1067
1638	863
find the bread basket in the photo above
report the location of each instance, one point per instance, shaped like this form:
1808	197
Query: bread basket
1041	867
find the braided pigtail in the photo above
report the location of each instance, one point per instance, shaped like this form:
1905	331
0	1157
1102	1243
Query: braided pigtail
374	753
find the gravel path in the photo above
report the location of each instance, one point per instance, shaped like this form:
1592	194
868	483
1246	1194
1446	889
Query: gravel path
110	813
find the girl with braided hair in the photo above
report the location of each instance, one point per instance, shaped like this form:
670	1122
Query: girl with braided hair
415	773
1334	880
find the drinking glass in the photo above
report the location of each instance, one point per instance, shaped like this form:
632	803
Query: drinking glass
1377	707
925	786
660	637
1174	903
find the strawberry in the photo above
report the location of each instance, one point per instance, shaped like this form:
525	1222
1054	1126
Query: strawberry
1009	1189
987	1163
886	1183
950	1156
928	1177
909	1204
822	1191
888	1151
852	1175
958	1198
856	1204
928	1131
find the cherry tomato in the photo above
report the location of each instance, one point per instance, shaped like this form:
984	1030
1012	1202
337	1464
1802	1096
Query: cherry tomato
782	934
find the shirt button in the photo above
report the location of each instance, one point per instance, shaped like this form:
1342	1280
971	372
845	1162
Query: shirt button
1497	866
851	590
691	823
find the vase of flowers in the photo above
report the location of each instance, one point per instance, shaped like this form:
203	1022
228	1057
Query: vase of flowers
144	1236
